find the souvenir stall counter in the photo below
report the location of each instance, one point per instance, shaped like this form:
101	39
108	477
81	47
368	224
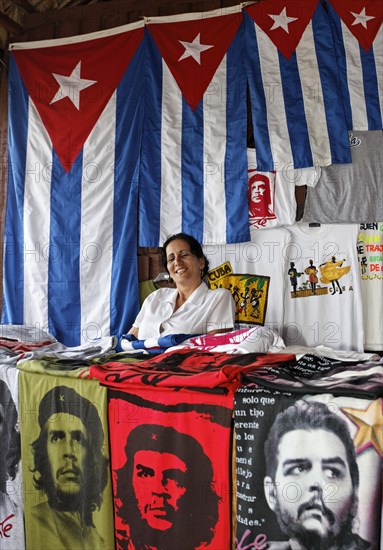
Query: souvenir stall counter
107	449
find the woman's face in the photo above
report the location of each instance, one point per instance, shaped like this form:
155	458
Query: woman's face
184	267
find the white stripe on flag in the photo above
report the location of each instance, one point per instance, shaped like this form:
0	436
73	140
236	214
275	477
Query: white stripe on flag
355	80
214	120
378	54
313	99
276	114
171	156
96	243
37	220
251	160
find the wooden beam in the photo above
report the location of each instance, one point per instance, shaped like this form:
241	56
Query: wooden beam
73	3
26	5
10	25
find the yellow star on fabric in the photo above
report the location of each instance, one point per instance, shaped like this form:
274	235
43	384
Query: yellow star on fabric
361	18
370	426
71	86
61	397
282	20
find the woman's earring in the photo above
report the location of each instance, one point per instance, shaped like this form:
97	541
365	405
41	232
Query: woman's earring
201	274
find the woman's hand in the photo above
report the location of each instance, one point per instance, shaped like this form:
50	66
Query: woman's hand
134	331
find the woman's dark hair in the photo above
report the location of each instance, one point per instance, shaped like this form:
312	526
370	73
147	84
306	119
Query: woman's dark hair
195	249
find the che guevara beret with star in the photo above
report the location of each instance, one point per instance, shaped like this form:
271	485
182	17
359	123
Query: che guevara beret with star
63	399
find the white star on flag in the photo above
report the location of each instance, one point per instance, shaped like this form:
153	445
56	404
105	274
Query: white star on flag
361	18
282	20
71	86
194	49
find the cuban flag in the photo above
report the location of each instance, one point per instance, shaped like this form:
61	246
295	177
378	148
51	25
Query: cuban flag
358	38
194	169
297	111
70	238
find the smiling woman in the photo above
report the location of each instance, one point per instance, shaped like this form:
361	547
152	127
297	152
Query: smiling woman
190	308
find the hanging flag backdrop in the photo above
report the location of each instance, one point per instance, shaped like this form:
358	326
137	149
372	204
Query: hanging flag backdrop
358	38
193	173
74	140
297	112
168	119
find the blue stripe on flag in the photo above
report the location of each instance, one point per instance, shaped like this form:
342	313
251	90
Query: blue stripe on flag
13	273
150	198
237	220
192	170
337	36
64	311
336	126
295	111
265	162
124	296
371	90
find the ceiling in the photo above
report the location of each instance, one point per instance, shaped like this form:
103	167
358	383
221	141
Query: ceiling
13	11
35	6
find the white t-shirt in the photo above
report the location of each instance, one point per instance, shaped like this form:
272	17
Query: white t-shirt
325	309
259	264
271	197
12	503
370	251
205	310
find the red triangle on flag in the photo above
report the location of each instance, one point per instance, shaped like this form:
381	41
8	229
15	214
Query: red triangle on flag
284	21
194	48
362	17
71	83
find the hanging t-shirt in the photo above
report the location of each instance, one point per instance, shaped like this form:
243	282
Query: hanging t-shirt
323	302
11	487
65	457
254	274
370	254
271	196
170	456
305	465
350	193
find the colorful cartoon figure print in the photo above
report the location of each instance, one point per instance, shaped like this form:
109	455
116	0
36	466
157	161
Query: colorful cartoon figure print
236	296
245	301
293	274
312	271
363	265
255	302
331	273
